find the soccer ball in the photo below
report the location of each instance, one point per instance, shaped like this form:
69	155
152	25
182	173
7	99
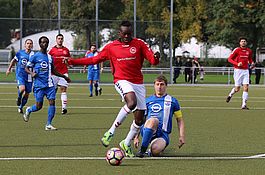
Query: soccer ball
114	156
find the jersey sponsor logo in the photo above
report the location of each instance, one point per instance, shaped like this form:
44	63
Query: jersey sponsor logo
24	61
132	50
44	65
125	59
156	107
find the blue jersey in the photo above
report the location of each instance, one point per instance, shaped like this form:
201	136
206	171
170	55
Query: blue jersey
22	57
94	67
41	63
163	109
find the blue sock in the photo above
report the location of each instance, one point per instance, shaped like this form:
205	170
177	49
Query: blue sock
24	101
147	136
33	108
91	88
19	94
51	113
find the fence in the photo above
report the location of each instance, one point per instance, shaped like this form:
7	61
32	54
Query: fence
209	75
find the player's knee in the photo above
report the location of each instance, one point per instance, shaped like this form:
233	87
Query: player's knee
155	150
131	105
140	122
39	106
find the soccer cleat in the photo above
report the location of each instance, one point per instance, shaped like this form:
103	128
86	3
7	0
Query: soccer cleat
100	91
105	140
26	115
20	110
140	154
228	99
50	128
127	149
245	107
18	101
91	95
64	111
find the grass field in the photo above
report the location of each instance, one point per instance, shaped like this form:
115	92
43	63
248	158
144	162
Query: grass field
220	137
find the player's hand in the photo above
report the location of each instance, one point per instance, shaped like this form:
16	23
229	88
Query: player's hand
7	72
33	74
181	141
157	55
252	66
65	60
239	64
101	70
136	142
67	79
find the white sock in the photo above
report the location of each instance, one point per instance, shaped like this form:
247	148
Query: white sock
120	118
132	133
64	100
244	98
232	92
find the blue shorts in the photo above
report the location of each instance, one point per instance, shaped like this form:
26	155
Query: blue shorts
49	92
159	134
28	85
93	75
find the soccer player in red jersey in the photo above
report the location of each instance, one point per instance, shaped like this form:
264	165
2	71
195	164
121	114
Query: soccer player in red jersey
58	53
241	57
126	56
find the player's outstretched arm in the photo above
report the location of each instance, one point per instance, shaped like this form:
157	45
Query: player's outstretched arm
12	63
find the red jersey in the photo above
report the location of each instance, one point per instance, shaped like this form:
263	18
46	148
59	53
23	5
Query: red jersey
126	60
57	56
243	55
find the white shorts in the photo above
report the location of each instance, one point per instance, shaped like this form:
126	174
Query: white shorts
59	81
241	76
124	86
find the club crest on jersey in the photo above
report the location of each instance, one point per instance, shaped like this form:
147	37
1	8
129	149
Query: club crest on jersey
24	61
44	64
156	107
167	103
132	50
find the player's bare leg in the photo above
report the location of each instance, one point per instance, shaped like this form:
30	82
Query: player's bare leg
233	91
130	99
157	146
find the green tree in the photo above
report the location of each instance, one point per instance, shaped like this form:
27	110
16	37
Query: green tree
8	9
231	19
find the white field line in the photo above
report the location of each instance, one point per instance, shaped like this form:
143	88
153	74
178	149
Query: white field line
259	156
113	107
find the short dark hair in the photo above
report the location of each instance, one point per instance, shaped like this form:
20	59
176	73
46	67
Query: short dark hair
161	78
93	45
42	38
59	35
242	38
126	23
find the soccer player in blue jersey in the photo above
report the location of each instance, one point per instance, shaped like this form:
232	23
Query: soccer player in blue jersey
93	72
42	65
24	80
161	108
